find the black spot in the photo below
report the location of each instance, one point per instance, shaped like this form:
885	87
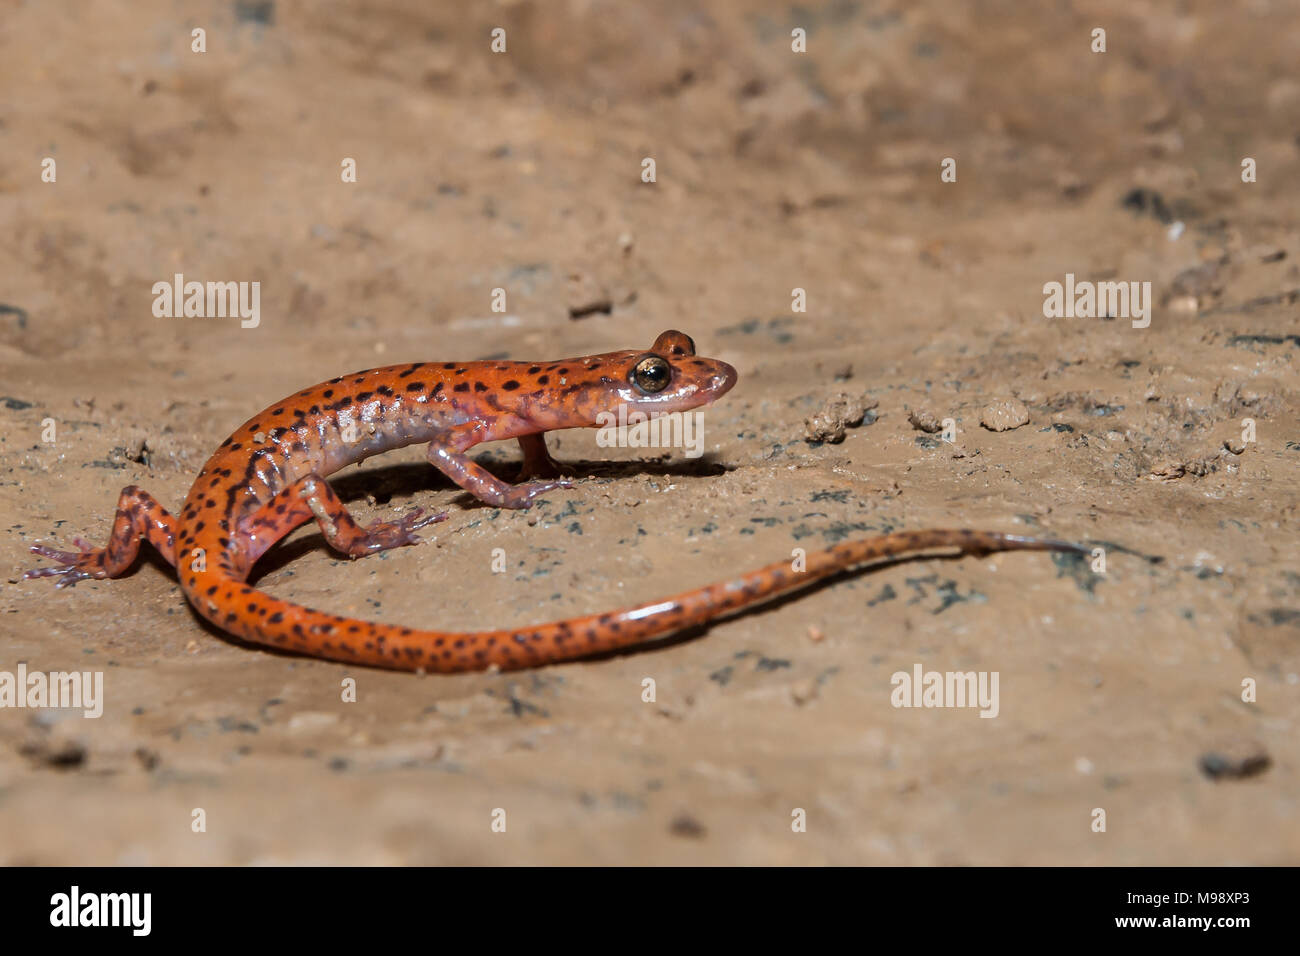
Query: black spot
415	387
543	379
328	393
480	387
510	386
461	387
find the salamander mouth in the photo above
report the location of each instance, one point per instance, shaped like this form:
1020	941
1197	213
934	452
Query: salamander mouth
704	390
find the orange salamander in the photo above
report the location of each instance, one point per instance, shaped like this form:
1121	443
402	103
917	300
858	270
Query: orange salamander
268	478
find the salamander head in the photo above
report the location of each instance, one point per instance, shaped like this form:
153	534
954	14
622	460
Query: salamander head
668	377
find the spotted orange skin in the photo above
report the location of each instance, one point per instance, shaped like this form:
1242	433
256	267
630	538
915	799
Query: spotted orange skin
267	479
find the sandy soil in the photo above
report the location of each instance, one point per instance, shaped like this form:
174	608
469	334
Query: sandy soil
1120	691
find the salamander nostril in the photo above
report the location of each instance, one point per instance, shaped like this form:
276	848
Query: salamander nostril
722	380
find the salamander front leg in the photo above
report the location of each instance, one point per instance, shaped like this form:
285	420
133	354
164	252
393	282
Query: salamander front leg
483	485
138	516
311	497
538	462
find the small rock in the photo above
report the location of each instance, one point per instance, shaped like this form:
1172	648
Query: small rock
923	420
1236	760
1198	282
587	297
1072	186
803	691
685	825
309	721
1147	202
839	413
1004	416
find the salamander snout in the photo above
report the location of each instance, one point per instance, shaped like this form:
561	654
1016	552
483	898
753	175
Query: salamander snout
721	380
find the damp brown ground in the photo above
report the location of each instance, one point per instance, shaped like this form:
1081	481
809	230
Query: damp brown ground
1119	691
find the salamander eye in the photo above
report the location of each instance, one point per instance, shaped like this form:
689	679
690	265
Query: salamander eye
651	374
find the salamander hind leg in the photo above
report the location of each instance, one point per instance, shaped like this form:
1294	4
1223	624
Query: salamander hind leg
138	516
311	497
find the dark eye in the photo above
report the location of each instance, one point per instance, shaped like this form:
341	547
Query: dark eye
651	374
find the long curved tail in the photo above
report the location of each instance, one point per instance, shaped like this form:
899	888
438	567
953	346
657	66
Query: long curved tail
260	618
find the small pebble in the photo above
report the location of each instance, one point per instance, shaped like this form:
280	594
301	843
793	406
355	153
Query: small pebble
803	691
924	420
685	825
1236	760
1004	416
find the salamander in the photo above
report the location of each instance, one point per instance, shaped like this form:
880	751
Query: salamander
268	478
